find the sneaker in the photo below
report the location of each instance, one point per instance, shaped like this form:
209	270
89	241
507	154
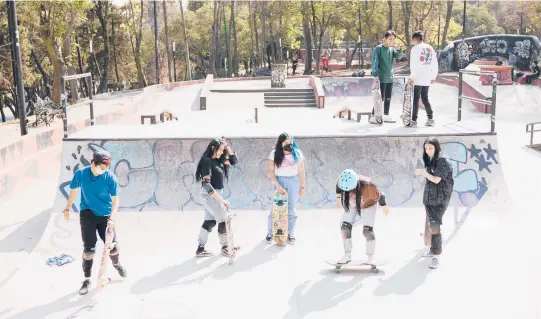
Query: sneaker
291	239
430	122
369	258
202	252
345	259
434	263
121	270
373	120
413	124
268	239
84	288
427	254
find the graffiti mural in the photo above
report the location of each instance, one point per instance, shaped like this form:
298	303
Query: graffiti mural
458	54
350	86
159	174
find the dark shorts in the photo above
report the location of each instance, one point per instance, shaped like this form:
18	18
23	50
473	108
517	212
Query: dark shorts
90	224
434	213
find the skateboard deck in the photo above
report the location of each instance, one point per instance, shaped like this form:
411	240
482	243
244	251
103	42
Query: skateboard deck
103	280
378	103
358	263
230	236
279	218
408	104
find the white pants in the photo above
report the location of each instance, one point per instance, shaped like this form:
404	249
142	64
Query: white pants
367	219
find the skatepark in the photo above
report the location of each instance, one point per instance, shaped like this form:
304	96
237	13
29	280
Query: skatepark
490	262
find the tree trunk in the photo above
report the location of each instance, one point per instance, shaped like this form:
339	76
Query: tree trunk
307	38
264	32
406	8
233	31
251	25
315	38
390	25
361	32
448	16
44	74
103	16
228	64
213	51
167	48
114	53
138	39
74	94
254	18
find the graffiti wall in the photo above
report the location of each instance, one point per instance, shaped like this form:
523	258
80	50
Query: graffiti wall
159	174
458	54
350	86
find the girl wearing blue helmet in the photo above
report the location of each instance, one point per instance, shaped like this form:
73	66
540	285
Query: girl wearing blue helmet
285	169
358	194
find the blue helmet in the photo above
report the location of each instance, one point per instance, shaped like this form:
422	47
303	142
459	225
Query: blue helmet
348	180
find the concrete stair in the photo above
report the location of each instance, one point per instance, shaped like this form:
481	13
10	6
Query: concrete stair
290	98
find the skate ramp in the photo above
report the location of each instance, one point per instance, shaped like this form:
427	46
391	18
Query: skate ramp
158	174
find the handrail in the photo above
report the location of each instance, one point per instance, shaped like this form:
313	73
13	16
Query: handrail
491	101
530	128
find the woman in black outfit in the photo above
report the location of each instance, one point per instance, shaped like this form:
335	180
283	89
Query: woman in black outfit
437	195
212	170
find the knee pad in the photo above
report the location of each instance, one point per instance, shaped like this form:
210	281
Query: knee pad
346	230
88	255
221	228
368	232
434	228
208	225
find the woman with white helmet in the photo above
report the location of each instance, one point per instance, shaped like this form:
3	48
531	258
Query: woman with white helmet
358	194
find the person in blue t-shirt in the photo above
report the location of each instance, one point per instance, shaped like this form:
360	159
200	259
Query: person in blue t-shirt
99	205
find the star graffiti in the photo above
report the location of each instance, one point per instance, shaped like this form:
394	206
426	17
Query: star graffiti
484	163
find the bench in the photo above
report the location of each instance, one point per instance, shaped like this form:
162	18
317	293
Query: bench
351	110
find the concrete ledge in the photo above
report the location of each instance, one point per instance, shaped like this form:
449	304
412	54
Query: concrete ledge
205	92
467	90
319	93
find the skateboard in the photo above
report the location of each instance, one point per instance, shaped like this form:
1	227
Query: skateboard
279	218
378	103
357	263
107	247
230	236
408	104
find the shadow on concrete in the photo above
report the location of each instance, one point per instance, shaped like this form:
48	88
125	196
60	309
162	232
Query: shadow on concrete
326	293
27	236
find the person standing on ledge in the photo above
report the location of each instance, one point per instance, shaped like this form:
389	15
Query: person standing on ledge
382	68
99	206
424	70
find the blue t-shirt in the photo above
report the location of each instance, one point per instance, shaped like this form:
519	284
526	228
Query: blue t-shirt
96	191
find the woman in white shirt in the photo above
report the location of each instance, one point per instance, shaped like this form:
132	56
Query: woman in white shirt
286	171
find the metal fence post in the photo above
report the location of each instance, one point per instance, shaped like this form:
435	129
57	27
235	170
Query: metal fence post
459	96
63	99
493	105
90	94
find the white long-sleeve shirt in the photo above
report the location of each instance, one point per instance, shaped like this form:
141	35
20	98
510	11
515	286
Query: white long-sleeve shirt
423	64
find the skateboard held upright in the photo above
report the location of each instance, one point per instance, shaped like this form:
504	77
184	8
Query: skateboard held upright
230	236
279	218
408	104
378	103
107	247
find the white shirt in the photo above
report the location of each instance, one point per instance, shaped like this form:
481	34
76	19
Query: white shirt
288	167
423	64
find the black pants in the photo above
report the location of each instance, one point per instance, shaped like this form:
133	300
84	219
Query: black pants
421	92
91	223
530	77
386	94
433	238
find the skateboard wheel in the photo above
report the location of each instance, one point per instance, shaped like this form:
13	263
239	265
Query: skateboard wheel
379	121
374	269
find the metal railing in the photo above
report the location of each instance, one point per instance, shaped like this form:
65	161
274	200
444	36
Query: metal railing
87	77
530	128
491	102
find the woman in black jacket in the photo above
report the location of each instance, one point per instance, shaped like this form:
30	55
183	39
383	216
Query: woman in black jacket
213	171
437	194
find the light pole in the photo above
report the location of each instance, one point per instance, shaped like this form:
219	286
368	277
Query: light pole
16	64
